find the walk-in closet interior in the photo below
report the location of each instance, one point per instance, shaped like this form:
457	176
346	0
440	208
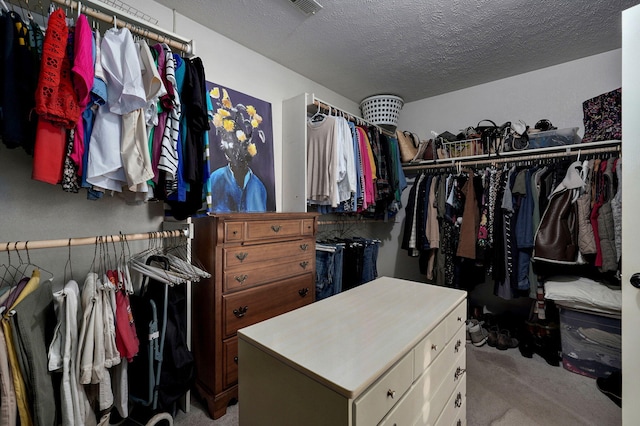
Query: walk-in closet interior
285	212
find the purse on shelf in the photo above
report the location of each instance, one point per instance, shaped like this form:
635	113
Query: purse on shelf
408	149
603	117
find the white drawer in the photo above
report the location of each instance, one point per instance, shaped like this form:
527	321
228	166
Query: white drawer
453	410
429	348
437	399
424	389
456	318
375	402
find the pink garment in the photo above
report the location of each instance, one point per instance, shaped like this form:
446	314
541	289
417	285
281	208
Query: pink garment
82	74
369	195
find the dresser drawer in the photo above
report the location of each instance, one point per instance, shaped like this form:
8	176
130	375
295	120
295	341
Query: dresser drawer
230	362
455	407
456	319
429	348
246	256
269	229
376	401
416	405
434	405
252	277
243	308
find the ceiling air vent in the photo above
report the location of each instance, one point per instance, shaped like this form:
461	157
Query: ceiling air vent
308	7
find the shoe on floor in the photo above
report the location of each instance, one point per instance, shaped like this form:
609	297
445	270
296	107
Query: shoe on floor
505	341
478	334
492	338
470	323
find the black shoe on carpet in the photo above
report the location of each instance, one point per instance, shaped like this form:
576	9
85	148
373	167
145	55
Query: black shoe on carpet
611	386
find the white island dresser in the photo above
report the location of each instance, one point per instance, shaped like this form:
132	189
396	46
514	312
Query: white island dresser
389	352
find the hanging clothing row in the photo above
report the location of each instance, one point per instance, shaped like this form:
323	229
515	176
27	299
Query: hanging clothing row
80	340
344	263
352	168
108	113
516	222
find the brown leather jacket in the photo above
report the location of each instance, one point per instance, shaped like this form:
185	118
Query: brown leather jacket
556	240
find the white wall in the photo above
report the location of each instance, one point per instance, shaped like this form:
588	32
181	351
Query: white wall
555	93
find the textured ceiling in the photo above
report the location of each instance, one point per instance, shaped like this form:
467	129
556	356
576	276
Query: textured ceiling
414	48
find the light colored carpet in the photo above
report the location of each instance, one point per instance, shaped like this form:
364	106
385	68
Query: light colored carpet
503	389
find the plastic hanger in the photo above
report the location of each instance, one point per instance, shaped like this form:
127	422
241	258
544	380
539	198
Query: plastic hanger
318	116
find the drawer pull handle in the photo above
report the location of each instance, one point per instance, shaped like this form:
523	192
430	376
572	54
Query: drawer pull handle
459	319
275	228
458	402
304	264
391	393
303	291
235	359
241	256
458	373
235	232
304	247
434	347
239	313
241	278
457	347
459	422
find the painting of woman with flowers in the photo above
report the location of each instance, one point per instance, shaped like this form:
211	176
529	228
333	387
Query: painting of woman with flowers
241	153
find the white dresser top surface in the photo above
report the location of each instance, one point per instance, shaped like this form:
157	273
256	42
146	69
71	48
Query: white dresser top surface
348	340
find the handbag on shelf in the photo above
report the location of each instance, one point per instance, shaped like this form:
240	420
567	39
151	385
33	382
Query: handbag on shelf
603	117
408	150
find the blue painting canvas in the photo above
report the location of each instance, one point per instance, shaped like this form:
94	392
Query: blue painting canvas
242	176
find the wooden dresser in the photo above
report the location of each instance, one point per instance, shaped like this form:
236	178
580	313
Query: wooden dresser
389	352
262	265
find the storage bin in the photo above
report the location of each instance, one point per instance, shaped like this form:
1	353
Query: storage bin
591	343
382	109
556	137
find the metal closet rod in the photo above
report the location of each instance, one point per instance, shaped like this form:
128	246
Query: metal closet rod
83	241
111	15
349	116
512	159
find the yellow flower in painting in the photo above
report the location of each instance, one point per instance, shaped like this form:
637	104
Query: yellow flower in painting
215	92
251	110
241	136
252	150
217	120
223	112
227	103
254	123
229	125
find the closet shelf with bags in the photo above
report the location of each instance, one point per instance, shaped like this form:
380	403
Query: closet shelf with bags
524	155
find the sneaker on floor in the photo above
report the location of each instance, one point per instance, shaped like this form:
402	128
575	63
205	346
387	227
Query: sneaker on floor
611	386
478	334
470	323
505	341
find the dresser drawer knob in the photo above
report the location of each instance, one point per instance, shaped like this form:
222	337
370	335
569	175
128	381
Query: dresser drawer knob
391	393
275	228
434	347
303	291
304	247
241	278
235	359
241	256
459	319
239	313
457	346
458	402
304	264
459	372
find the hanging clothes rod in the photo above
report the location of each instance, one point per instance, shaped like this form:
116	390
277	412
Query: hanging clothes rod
512	159
83	241
111	15
351	117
